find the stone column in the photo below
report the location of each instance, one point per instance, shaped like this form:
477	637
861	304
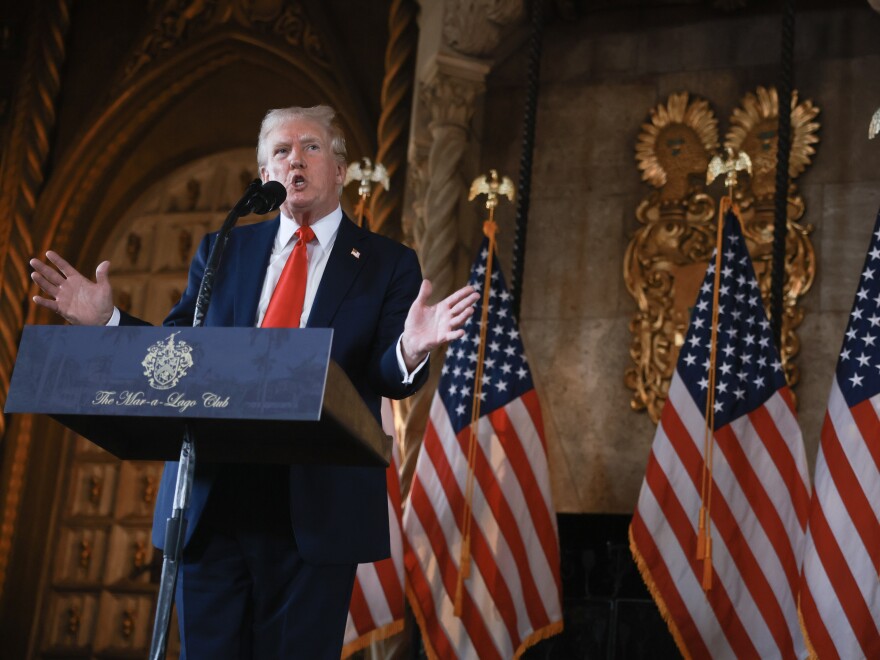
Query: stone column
456	41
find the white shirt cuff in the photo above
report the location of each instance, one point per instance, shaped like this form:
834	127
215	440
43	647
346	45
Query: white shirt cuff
407	377
114	318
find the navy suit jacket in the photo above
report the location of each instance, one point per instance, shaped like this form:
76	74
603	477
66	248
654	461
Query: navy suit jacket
339	514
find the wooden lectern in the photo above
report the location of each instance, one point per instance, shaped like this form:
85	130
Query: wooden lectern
243	395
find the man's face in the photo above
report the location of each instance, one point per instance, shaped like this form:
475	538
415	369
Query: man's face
300	157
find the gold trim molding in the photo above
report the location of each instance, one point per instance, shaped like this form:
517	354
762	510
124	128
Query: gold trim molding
668	254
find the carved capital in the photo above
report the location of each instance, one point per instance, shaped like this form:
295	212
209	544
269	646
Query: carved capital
450	100
475	27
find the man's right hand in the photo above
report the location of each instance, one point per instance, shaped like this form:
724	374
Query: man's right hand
76	298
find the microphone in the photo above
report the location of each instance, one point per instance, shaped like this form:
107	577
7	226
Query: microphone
263	198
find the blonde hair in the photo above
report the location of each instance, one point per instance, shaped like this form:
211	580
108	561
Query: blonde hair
321	114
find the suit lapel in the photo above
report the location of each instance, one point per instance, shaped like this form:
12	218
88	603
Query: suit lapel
252	259
350	253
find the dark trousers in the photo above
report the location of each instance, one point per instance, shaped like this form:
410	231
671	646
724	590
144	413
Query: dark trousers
243	591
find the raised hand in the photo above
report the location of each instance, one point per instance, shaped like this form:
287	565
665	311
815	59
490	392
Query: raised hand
430	326
79	300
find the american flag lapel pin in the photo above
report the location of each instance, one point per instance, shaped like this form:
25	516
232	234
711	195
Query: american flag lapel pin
355	253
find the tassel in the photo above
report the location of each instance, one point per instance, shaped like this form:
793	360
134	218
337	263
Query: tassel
463	574
701	535
707	566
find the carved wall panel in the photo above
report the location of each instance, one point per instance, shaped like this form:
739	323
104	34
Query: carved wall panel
668	254
100	593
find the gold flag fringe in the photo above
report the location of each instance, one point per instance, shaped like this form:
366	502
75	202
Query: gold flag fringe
538	635
811	650
658	599
376	635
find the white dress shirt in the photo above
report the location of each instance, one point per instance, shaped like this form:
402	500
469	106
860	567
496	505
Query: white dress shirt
318	252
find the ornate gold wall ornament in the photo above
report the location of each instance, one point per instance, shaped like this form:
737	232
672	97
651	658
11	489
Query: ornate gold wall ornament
753	129
669	253
675	145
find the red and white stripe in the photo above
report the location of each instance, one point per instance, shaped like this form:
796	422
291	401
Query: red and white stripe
512	597
378	601
840	594
759	508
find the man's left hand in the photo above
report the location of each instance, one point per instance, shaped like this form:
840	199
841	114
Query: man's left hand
430	326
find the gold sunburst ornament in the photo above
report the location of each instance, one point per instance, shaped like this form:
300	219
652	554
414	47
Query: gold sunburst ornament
674	144
753	130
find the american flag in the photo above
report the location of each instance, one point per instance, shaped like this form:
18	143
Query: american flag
759	486
840	593
377	601
512	598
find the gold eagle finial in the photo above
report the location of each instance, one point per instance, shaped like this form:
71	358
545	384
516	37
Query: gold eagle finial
730	164
492	185
365	172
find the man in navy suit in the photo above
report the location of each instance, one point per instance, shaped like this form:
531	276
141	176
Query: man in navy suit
271	551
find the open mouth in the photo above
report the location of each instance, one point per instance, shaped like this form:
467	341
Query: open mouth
299	181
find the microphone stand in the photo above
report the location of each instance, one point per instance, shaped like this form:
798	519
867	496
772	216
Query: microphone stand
175	526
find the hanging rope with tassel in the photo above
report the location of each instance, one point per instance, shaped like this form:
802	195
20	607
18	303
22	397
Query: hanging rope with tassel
783	152
524	184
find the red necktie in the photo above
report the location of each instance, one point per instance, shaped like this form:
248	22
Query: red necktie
286	306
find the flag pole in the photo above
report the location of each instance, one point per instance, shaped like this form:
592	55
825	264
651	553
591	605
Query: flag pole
728	166
492	187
